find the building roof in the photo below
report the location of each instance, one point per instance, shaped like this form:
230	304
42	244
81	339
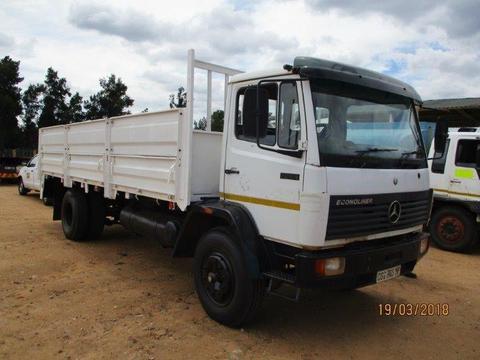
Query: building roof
462	112
445	104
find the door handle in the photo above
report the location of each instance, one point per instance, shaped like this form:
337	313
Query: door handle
232	171
455	181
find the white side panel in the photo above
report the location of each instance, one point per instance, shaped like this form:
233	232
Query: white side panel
52	149
86	146
145	154
207	150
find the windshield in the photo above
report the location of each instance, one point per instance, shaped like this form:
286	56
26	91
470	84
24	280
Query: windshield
364	128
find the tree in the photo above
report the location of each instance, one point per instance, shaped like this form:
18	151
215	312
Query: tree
112	100
55	108
10	102
217	120
75	110
179	100
31	107
200	124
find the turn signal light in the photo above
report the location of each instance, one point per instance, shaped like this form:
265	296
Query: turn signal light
330	267
424	243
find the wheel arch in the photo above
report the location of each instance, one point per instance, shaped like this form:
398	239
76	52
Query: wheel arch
204	217
472	207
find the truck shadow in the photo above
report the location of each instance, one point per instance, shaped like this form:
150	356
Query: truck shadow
326	313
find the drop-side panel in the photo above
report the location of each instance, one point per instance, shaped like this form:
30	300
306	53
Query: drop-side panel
86	147
145	154
52	149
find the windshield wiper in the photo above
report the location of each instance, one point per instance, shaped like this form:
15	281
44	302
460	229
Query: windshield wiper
406	155
416	152
374	149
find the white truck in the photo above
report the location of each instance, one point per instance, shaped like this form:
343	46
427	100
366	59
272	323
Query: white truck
320	179
29	179
455	181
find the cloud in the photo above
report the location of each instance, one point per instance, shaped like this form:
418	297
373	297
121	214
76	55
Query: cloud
130	25
432	45
6	41
459	18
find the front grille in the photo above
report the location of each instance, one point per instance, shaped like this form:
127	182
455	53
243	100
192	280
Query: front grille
352	216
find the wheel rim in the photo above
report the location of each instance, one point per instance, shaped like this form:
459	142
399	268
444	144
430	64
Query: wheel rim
20	185
451	229
218	279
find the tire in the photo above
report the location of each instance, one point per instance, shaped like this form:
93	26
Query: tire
22	190
96	215
47	201
75	215
453	229
236	298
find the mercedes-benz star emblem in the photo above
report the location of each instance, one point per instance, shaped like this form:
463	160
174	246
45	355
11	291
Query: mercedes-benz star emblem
394	212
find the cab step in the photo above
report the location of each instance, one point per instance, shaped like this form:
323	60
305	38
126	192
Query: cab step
276	279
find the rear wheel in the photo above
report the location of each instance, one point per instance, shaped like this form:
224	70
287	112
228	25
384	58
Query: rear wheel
453	229
22	190
75	215
227	292
96	215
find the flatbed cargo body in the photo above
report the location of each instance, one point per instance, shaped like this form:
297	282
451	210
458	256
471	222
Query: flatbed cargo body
147	154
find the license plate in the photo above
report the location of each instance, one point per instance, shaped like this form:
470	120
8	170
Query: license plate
387	274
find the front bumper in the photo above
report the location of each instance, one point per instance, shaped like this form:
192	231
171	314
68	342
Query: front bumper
362	261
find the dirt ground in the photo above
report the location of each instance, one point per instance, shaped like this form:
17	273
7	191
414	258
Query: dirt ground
125	297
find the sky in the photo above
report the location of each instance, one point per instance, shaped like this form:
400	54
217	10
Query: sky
433	45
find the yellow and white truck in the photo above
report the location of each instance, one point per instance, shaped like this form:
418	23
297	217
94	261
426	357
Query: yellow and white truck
455	180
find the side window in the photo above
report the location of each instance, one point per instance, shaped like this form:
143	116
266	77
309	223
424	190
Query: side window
438	163
289	117
239	115
243	121
466	153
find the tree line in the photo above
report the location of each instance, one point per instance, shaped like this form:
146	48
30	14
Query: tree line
51	103
179	100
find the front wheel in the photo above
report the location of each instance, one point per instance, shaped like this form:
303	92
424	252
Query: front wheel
22	190
47	201
227	292
453	229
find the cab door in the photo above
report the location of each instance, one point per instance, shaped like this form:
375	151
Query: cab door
267	177
30	173
464	179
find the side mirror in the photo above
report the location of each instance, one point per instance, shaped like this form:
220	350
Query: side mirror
477	157
441	134
252	117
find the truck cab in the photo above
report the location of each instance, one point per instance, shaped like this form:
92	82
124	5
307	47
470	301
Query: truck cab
455	181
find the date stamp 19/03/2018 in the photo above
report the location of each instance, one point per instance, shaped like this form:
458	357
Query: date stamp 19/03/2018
418	309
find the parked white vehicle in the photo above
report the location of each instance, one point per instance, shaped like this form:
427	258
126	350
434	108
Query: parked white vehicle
319	180
455	180
29	179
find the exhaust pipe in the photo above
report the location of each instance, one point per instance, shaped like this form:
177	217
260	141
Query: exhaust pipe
151	224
